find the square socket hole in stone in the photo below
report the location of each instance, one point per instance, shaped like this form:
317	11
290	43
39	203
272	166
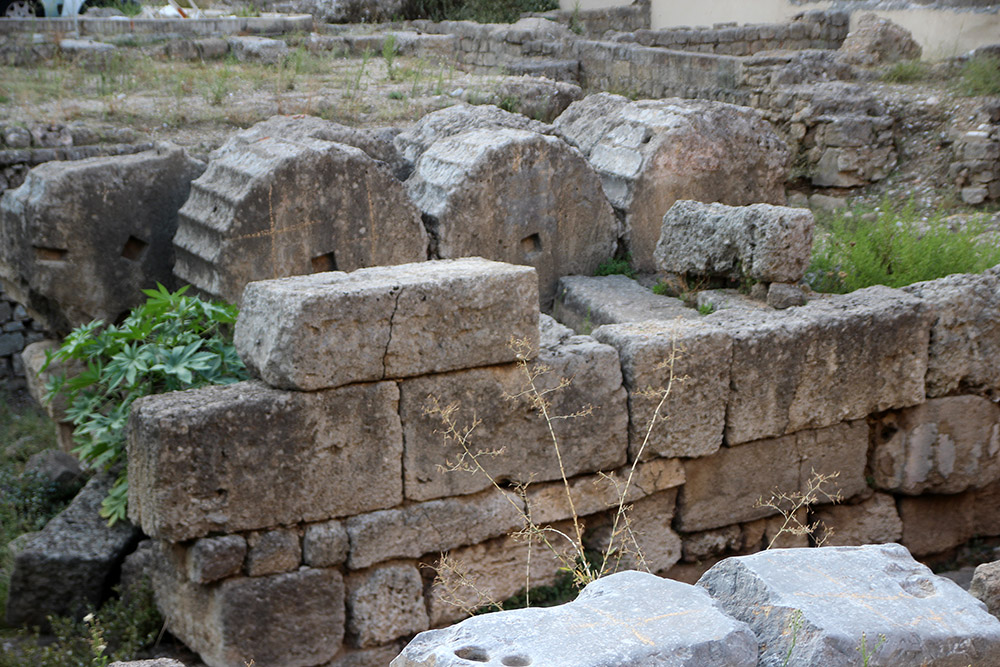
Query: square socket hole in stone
327	262
134	248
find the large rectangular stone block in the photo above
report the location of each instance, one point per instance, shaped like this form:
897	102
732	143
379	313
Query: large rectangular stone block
965	332
587	302
330	329
724	488
691	421
945	445
835	359
292	619
246	457
513	438
933	524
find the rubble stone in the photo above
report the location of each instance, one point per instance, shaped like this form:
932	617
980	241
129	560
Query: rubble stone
385	603
212	558
876	40
272	552
986	586
325	544
189	453
260	49
397	321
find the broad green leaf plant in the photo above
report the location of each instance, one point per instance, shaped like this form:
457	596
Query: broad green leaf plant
171	342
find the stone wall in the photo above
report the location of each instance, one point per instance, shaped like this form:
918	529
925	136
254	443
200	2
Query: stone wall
809	30
17	330
976	170
304	527
594	23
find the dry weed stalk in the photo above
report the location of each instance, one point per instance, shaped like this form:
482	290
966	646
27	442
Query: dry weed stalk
622	538
790	505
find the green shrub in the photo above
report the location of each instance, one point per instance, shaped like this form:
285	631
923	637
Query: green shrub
980	76
483	11
615	266
894	249
169	343
907	71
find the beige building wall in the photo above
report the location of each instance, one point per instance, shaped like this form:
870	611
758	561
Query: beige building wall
942	33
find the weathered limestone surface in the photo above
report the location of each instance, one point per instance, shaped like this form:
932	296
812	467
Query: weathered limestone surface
587	302
986	586
414	142
945	445
757	469
965	333
515	196
763	242
871	591
652	153
629	618
933	524
190	452
325	544
385	603
212	558
433	526
106	223
512	426
835	359
650	543
378	143
312	332
70	564
273	551
253	48
294	619
877	40
275	207
691	421
874	521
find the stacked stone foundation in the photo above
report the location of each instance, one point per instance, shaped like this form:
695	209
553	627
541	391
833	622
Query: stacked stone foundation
307	527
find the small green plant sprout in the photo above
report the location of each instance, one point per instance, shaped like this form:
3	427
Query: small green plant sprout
706	309
575	24
389	53
171	342
794	506
794	625
615	266
397	95
868	652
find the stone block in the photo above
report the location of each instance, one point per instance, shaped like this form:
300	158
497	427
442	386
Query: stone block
397	321
870	591
643	539
71	564
945	445
367	657
280	207
293	619
312	459
212	558
325	544
155	662
758	469
872	521
933	524
835	359
11	343
783	295
629	618
877	40
436	466
554	215
273	551
965	332
587	302
652	153
762	242
987	519
103	222
986	586
654	357
385	603
698	547
252	48
433	526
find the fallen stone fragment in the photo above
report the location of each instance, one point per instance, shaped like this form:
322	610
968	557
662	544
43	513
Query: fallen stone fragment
328	330
629	618
986	586
876	40
835	606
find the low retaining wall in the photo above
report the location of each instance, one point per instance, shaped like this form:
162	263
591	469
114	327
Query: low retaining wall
299	528
17	330
227	25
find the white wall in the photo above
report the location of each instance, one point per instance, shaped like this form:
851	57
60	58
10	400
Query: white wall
942	33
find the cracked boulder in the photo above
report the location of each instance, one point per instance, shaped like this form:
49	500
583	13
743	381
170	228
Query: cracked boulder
81	238
515	196
332	329
278	207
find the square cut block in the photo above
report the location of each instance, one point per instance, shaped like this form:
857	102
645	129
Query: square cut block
249	457
330	329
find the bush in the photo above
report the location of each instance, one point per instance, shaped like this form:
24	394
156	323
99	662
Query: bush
980	76
483	11
894	249
614	266
907	71
169	343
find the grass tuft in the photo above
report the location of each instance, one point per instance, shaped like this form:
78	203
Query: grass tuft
980	76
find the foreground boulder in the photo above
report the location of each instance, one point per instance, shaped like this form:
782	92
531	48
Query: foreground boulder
840	605
875	41
70	564
276	207
80	239
515	196
629	618
651	153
